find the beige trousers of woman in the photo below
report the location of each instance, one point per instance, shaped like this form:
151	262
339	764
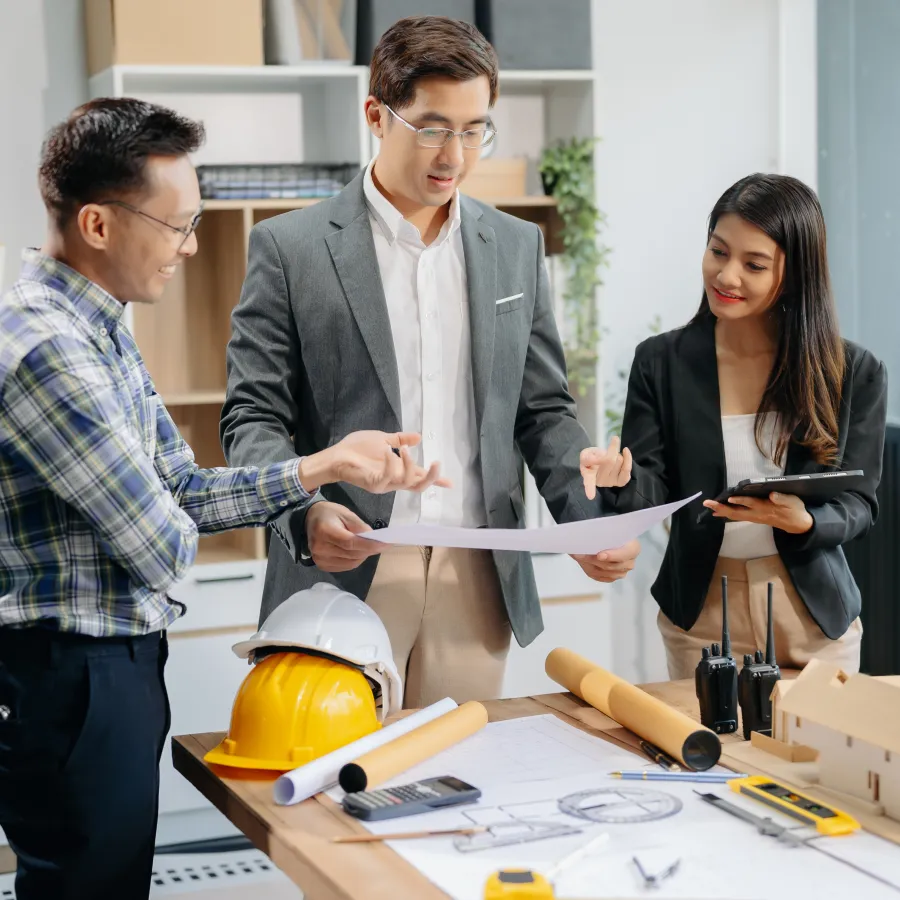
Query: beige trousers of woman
797	637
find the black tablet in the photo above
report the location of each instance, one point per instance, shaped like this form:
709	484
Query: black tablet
817	488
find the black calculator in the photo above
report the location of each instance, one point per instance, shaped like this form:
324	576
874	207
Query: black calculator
410	799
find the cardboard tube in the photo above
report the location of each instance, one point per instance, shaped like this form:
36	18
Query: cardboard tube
410	749
694	745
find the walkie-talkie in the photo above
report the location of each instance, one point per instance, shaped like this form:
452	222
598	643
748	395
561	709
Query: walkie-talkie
717	679
757	682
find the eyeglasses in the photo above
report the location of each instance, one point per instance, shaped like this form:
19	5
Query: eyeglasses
186	231
474	138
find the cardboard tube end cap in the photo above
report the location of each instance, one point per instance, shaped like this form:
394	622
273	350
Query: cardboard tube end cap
352	778
701	750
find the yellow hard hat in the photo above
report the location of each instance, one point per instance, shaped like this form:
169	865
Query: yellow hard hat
293	708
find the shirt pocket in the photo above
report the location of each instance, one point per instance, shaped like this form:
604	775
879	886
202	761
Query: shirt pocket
149	408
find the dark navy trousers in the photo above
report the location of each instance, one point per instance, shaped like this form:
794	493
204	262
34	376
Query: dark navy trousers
82	726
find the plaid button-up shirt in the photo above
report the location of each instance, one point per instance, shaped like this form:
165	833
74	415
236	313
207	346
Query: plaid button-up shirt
101	501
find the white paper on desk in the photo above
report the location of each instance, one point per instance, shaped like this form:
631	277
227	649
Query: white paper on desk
315	776
524	766
590	536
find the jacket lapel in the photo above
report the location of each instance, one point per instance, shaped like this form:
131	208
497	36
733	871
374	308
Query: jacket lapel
480	250
698	385
353	252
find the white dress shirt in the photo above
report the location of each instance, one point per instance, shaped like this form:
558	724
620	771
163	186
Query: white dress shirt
748	540
428	307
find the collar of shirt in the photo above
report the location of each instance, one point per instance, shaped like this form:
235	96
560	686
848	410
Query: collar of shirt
101	310
391	221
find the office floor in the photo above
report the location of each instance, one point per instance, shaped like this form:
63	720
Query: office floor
208	876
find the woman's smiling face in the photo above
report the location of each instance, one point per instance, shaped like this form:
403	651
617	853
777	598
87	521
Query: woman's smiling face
742	269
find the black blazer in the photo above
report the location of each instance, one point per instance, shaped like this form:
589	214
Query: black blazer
673	427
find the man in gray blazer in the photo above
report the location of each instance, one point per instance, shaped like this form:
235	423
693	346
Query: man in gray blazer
400	304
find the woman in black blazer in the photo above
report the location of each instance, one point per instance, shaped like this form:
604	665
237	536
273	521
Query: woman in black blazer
758	383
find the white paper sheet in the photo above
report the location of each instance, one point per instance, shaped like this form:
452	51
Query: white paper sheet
591	536
524	766
305	781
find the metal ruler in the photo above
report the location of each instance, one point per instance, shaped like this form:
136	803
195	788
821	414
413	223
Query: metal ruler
770	828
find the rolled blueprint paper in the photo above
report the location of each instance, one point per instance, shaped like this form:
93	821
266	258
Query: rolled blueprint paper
391	759
694	745
315	776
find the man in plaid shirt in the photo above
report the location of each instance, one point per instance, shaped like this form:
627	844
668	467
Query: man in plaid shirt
101	504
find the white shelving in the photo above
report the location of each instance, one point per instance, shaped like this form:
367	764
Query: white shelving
190	78
311	113
119	80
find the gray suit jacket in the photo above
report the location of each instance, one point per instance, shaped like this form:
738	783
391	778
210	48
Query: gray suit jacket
311	359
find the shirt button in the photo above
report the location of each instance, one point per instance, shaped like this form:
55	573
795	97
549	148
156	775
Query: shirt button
104	332
429	376
432	494
430	435
283	503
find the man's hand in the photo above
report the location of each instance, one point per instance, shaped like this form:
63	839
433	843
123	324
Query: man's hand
331	532
783	511
375	461
605	468
610	565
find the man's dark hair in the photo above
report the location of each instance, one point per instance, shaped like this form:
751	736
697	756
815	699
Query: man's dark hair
100	152
423	46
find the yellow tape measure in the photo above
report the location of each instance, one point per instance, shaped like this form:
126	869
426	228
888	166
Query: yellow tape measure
518	884
827	819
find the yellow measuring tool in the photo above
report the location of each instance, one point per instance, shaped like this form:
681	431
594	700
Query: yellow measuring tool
827	819
526	884
518	884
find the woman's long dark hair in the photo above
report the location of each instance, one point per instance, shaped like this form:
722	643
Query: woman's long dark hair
805	384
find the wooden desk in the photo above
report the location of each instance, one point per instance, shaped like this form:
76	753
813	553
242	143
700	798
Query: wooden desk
298	838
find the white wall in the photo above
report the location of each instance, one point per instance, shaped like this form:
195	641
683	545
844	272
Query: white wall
694	95
22	81
42	77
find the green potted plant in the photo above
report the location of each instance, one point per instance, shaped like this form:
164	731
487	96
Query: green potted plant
567	171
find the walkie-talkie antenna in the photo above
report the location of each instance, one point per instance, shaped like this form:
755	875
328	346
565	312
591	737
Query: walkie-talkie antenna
726	636
770	636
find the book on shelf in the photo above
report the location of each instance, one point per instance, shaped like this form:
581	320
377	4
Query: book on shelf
275	181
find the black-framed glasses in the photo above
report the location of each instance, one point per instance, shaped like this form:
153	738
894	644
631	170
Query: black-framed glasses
185	231
472	138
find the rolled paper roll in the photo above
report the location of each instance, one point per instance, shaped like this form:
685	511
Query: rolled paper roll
694	745
322	773
385	762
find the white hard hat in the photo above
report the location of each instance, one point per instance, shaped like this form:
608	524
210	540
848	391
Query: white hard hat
330	622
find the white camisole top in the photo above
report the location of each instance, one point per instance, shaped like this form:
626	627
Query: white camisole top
748	540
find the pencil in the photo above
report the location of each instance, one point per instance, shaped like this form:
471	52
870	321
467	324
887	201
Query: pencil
404	835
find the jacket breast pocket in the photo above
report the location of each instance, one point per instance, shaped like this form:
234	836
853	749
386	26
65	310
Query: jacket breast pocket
509	304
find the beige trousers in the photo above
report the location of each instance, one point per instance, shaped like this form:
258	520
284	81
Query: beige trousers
797	637
444	613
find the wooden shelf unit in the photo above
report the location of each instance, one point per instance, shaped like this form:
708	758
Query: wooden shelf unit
183	338
275	114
